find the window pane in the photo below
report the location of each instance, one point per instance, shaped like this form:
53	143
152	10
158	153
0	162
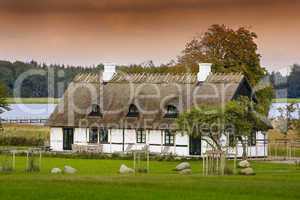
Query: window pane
140	136
93	137
169	137
103	135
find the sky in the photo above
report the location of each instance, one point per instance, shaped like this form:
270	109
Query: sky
87	32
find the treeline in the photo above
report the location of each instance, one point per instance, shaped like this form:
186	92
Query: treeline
34	79
42	80
287	86
38	78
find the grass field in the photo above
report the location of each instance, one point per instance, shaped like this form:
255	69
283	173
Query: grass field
98	179
286	100
28	131
33	100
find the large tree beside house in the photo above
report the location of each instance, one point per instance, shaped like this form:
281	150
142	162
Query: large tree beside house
229	50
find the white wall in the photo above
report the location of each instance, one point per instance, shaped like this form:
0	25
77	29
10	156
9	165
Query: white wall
155	140
81	136
56	139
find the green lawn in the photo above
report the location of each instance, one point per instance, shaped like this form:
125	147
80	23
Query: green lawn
33	100
98	179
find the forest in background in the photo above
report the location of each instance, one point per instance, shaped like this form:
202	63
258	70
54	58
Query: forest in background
36	85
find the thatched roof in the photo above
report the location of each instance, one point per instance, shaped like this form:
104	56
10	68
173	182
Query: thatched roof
151	93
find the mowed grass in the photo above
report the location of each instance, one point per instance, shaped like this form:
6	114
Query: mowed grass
99	179
33	100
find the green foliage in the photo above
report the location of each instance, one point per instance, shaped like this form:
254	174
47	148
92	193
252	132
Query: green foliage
286	121
238	118
205	121
3	96
264	97
229	50
293	82
37	85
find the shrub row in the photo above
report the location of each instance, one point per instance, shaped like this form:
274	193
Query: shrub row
21	141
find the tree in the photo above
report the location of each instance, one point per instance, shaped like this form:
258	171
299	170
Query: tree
242	116
3	95
286	118
293	89
205	122
229	50
209	123
3	102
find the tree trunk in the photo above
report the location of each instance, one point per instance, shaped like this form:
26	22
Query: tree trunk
244	154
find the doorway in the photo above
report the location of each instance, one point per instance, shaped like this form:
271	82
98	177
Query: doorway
68	138
195	146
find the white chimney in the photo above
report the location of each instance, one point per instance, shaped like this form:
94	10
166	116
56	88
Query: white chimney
109	71
204	71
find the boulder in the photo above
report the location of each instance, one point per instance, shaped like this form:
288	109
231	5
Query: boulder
247	171
182	166
125	170
69	170
185	171
244	164
56	171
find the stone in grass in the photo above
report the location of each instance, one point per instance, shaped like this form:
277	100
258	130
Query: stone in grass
56	171
69	170
185	171
182	166
125	170
247	171
244	164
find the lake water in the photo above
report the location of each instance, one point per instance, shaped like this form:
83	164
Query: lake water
43	111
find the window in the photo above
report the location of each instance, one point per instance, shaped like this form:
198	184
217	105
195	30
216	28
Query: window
252	139
140	136
171	111
93	136
169	138
95	110
133	111
103	135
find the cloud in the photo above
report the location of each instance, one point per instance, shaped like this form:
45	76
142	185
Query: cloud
138	6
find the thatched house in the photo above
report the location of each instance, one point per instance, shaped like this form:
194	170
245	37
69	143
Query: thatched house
118	112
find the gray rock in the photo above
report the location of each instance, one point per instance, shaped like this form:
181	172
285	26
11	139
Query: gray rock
244	164
247	171
185	171
182	166
56	171
125	170
69	170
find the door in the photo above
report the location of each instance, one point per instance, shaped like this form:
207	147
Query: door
195	146
68	138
